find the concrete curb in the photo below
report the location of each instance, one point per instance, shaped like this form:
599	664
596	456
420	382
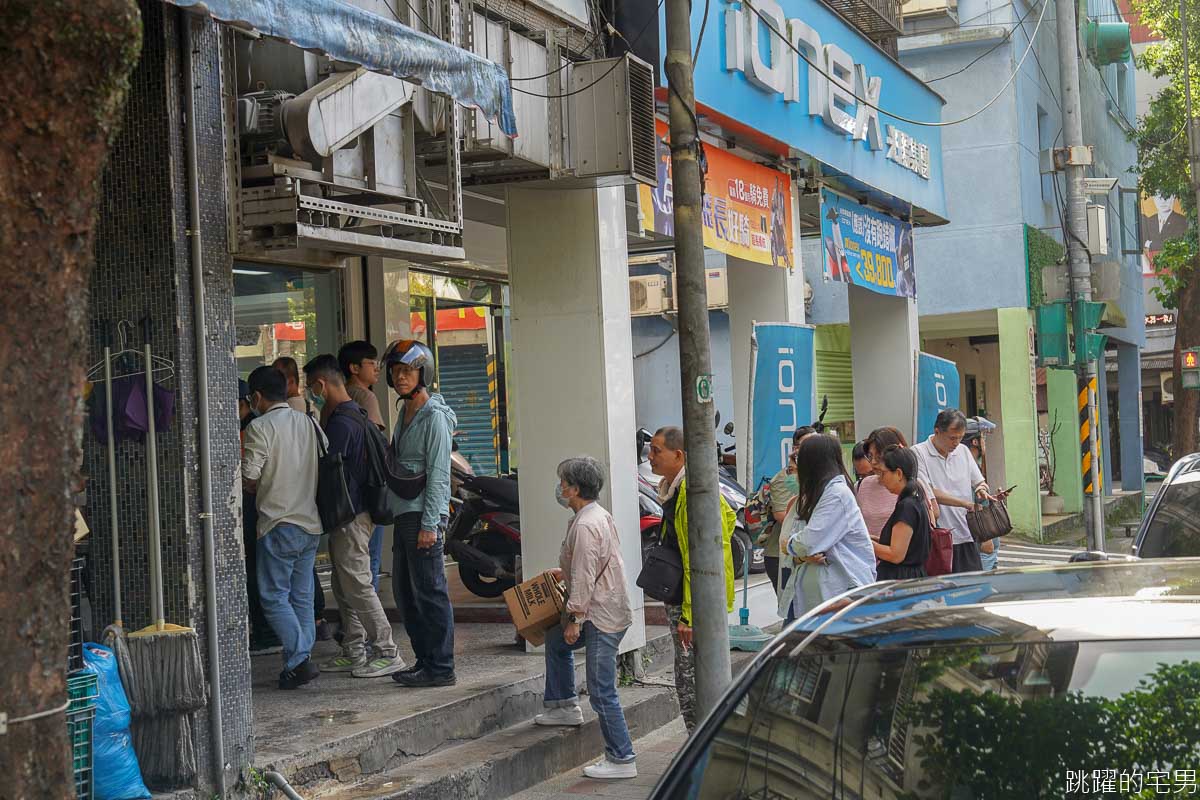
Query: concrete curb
514	759
417	736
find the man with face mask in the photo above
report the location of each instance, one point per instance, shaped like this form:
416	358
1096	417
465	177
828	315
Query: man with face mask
421	443
363	617
280	449
783	489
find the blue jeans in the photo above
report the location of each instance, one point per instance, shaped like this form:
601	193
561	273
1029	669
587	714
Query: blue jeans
376	550
419	585
285	586
601	683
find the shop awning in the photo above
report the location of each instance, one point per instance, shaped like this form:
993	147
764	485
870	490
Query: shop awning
347	33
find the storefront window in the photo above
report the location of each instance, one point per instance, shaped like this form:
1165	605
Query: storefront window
283	311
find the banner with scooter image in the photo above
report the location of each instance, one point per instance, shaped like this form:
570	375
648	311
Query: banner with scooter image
866	248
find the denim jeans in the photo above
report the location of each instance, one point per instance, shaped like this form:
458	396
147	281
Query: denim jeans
376	549
419	585
601	683
285	587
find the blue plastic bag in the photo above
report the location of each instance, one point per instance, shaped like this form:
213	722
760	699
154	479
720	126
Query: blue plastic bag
115	771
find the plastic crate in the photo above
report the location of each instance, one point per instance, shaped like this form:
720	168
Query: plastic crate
75	651
82	690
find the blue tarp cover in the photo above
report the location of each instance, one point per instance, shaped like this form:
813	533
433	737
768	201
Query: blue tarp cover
347	33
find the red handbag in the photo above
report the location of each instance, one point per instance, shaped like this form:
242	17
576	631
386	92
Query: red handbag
941	552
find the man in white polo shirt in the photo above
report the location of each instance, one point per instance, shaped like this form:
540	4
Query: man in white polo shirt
279	467
947	465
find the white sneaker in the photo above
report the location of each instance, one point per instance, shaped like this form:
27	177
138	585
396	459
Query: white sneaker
380	666
345	662
570	716
611	770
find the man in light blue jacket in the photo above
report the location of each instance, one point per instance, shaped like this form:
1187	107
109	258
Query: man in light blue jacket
421	443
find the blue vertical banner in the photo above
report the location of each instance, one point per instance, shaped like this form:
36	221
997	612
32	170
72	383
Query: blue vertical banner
782	394
937	390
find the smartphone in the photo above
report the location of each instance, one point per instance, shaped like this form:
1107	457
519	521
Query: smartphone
1008	491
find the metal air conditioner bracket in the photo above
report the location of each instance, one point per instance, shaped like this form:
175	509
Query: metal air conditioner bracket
295	212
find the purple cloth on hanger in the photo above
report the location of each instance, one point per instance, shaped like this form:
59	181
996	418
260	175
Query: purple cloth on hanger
130	421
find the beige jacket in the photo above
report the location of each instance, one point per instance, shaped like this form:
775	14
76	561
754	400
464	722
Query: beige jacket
594	571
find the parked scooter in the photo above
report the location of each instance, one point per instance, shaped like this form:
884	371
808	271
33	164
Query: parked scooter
485	534
651	525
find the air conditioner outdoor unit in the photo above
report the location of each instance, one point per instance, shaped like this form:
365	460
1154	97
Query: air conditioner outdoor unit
716	284
611	123
1166	382
647	295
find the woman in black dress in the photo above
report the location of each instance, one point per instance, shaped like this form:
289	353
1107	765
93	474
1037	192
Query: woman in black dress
903	544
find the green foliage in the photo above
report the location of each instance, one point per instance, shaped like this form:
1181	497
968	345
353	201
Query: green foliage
1161	136
991	746
1041	251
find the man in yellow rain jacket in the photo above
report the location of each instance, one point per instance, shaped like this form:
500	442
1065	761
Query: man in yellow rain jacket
667	457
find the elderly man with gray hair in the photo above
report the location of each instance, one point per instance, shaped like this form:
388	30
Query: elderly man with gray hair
597	615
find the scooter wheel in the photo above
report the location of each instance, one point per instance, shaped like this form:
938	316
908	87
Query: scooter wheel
483	585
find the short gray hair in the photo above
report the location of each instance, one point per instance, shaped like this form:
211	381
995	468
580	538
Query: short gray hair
672	436
584	473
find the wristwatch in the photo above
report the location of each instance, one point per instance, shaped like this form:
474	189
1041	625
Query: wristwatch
574	619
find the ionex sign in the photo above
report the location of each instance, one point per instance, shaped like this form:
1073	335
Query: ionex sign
795	78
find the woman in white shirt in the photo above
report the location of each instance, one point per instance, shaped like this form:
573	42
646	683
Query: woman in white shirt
829	534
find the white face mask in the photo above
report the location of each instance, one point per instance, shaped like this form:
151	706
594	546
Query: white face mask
558	495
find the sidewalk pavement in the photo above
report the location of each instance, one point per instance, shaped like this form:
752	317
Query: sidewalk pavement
654	754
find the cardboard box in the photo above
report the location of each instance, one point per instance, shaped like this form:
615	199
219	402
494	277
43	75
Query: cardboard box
536	606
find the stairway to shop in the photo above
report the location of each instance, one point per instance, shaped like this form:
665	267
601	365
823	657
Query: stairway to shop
474	740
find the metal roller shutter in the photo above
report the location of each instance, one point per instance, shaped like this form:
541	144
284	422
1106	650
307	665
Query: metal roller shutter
464	382
835	379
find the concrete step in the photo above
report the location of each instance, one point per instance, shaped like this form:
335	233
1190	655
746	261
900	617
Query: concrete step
511	760
366	751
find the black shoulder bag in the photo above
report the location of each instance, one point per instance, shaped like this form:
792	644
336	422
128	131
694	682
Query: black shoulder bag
384	490
333	493
661	577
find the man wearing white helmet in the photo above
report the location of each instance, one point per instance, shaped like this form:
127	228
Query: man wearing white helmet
421	443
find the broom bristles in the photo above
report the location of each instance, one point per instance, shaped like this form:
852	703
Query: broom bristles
164	749
170	674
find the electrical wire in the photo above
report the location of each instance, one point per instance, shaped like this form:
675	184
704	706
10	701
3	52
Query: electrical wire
990	50
892	115
700	38
607	72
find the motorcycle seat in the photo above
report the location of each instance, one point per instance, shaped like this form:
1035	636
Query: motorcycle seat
501	490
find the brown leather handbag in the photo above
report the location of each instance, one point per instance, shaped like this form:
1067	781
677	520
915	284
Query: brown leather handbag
989	522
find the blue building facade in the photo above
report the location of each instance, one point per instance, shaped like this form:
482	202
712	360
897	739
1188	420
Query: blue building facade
976	290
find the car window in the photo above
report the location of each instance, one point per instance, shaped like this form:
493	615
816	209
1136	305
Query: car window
1174	530
996	722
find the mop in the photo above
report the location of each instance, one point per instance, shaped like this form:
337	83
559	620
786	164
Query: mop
114	635
165	659
745	636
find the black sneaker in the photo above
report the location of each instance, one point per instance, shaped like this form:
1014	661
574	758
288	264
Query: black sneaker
304	673
423	679
409	670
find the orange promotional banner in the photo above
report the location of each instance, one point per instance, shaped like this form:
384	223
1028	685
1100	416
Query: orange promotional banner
747	207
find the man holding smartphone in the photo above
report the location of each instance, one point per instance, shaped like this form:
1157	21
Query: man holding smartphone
947	465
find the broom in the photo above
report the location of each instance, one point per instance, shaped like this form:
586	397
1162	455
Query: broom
164	658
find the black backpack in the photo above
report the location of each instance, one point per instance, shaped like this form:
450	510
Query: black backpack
384	489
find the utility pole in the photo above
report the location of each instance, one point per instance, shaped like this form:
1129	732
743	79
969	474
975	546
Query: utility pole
1077	160
710	621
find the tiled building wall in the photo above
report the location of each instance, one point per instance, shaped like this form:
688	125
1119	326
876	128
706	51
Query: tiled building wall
143	275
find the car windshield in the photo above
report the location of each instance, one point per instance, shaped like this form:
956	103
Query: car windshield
1174	530
1023	720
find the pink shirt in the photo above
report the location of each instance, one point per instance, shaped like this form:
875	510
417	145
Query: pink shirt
876	504
592	567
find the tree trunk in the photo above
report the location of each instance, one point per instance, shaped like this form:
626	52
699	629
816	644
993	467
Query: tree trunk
1187	334
66	65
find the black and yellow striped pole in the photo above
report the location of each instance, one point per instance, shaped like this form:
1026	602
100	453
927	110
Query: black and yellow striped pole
1086	423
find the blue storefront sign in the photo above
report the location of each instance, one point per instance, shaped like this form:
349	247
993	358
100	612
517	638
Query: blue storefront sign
782	394
863	247
749	74
937	390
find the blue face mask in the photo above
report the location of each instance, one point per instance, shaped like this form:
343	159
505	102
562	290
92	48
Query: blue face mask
558	495
792	484
317	401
